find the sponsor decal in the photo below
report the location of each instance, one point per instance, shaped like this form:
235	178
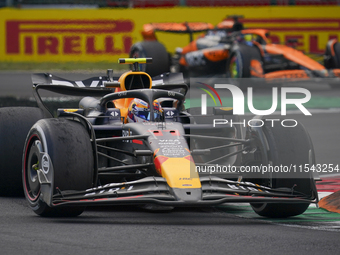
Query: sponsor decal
60	36
312	34
114	114
45	162
107	189
71	110
79	37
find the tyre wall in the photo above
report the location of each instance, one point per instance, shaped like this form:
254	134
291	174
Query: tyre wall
92	35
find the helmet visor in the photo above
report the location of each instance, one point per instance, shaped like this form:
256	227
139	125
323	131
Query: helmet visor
146	115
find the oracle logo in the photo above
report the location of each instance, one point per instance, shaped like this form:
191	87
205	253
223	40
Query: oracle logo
68	37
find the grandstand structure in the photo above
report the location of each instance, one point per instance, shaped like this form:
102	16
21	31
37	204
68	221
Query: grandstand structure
157	3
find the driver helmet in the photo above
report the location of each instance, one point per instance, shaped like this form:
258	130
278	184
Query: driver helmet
139	111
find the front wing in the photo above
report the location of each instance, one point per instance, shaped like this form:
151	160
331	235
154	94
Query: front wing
155	190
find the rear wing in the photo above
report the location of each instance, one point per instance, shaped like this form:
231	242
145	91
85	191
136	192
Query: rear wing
102	81
51	79
190	28
97	86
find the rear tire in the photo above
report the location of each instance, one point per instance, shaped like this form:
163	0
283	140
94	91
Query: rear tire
68	145
332	62
244	62
240	61
156	51
15	122
288	146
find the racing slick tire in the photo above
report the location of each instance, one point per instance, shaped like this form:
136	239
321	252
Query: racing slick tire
68	146
156	51
332	61
15	122
244	62
239	63
288	146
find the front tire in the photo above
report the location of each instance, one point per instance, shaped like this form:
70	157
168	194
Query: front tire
288	146
69	148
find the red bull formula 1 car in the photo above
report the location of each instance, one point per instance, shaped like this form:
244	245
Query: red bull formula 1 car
229	49
99	154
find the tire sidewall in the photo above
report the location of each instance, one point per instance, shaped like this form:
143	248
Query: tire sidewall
304	182
56	136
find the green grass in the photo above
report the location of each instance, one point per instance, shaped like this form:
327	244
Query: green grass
64	66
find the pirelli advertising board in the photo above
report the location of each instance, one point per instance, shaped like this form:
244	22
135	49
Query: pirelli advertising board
45	35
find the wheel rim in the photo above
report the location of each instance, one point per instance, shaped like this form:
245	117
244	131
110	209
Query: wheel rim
32	164
234	67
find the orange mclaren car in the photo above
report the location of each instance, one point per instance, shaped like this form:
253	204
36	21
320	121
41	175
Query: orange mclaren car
230	50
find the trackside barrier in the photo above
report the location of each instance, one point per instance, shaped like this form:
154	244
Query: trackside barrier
92	35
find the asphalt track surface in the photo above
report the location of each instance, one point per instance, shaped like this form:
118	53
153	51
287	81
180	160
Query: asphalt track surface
230	229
